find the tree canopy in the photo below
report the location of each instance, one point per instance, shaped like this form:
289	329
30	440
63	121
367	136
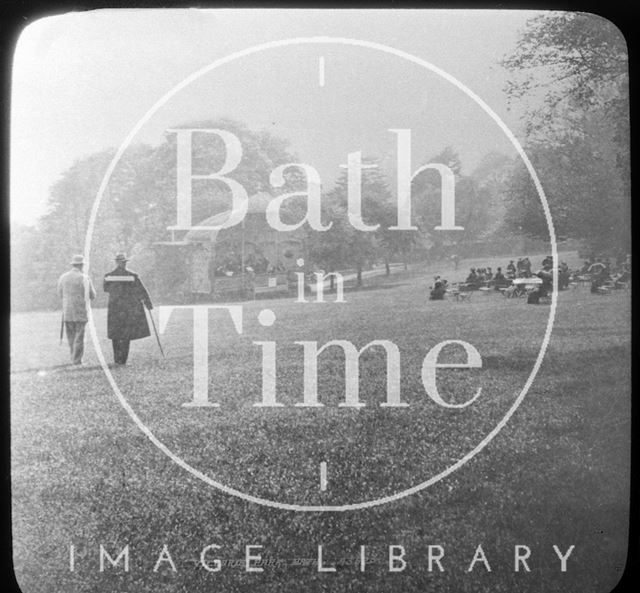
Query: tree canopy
139	204
571	70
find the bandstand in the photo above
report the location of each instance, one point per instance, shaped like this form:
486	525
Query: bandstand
243	261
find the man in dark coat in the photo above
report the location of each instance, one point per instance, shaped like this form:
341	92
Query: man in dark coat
126	319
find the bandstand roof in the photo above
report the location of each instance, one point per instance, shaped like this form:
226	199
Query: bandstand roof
257	207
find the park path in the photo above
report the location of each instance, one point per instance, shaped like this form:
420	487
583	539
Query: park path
347	275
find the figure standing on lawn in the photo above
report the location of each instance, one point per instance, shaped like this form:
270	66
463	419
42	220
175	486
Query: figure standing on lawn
75	289
126	319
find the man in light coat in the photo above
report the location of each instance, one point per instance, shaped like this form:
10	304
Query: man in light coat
75	289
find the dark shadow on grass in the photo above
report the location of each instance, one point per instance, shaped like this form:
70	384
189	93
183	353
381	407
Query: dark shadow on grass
70	367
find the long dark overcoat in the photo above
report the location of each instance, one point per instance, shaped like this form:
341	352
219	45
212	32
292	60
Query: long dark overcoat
126	319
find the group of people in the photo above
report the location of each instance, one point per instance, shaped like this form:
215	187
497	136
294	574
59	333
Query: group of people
601	271
485	277
604	273
126	319
439	288
479	277
254	263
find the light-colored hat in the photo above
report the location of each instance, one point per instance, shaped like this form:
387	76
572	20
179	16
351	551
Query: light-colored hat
121	257
77	260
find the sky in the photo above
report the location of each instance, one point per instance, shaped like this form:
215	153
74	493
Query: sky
82	81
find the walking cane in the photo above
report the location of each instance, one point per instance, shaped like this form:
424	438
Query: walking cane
155	331
61	329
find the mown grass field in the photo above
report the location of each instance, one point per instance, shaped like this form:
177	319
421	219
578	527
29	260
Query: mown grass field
558	473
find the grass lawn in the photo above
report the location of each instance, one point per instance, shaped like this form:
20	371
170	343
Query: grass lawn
558	473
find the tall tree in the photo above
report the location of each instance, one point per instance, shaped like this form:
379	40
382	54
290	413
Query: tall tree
571	70
343	245
426	192
156	189
139	203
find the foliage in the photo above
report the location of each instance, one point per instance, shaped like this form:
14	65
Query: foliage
345	246
571	70
584	202
575	56
137	206
477	199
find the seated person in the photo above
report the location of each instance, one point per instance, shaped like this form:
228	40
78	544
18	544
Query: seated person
472	279
585	267
438	290
564	275
621	279
599	279
543	289
499	280
547	280
511	270
488	276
